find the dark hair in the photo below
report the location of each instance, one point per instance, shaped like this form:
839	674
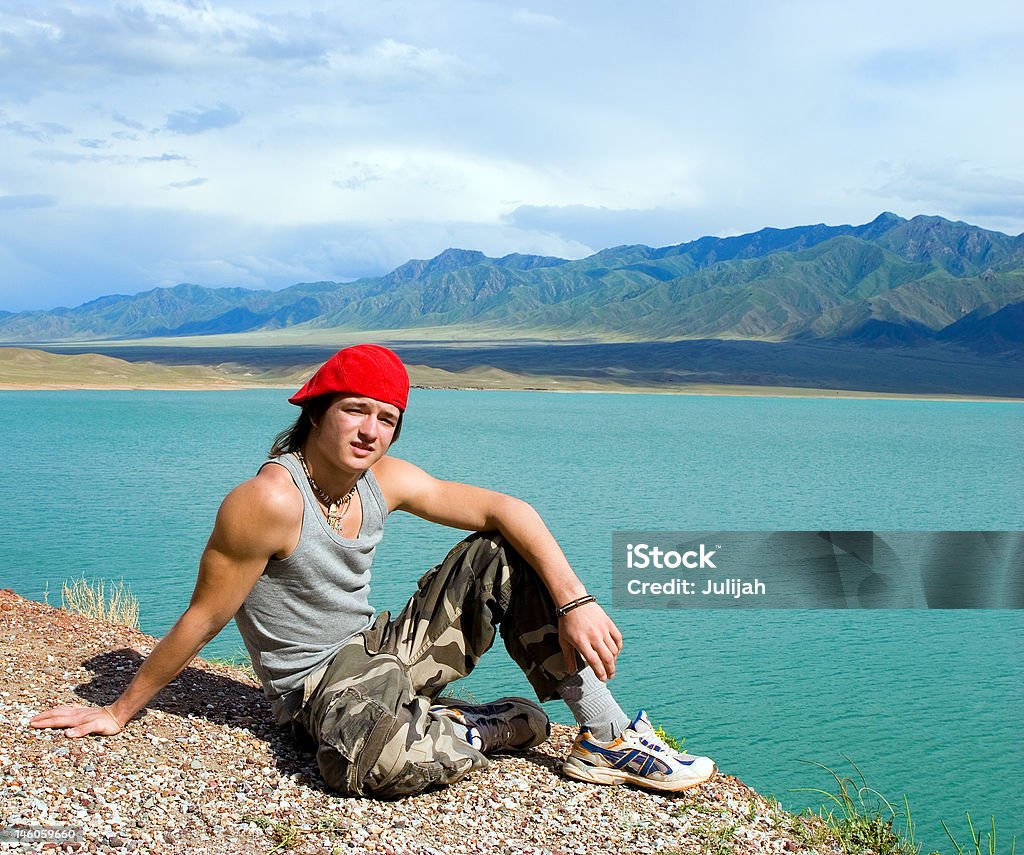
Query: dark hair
294	437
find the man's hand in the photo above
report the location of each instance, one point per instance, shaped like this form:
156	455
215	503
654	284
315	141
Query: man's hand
589	630
79	721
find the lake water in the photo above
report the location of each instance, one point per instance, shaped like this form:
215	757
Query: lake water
126	484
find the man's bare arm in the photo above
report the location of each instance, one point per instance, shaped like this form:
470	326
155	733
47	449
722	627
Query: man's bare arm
587	629
256	521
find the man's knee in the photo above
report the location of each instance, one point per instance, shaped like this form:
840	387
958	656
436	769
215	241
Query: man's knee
350	735
411	757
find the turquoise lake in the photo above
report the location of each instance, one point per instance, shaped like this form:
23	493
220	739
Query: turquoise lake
125	485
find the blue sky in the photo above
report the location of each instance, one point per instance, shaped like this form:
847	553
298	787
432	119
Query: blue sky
260	144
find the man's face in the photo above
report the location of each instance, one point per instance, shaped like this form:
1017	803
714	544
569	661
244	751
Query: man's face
355	432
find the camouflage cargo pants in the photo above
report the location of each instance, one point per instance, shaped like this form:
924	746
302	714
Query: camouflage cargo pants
369	713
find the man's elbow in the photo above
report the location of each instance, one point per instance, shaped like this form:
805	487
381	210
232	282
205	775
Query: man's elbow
204	623
508	511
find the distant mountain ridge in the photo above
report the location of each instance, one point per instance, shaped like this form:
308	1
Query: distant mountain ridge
892	281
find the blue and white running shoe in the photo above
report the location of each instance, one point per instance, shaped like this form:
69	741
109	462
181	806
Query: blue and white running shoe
636	756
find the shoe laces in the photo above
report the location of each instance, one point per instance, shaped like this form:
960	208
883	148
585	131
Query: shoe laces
494	734
650	739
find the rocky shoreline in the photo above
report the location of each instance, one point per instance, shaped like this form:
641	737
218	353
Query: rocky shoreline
205	770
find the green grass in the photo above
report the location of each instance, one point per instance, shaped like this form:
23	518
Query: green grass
669	739
977	846
862	820
287	835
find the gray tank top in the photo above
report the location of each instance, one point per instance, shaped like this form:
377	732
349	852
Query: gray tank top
306	606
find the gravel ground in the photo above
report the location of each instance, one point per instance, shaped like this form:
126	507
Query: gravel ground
205	770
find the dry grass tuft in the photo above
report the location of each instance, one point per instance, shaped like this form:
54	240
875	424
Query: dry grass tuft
115	604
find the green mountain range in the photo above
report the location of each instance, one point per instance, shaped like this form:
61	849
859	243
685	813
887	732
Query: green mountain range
889	282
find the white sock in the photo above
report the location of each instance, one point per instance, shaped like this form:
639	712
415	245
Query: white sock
592	704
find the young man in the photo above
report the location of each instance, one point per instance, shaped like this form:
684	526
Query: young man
289	558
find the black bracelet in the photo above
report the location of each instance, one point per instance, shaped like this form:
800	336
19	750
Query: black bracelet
575	604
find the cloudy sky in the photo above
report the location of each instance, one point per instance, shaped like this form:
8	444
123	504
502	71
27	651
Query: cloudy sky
153	142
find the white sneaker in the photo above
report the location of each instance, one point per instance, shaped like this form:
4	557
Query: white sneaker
636	756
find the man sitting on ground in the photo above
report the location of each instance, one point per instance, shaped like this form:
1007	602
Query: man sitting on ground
289	558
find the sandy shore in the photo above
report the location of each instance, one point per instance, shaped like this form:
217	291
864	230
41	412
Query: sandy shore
26	369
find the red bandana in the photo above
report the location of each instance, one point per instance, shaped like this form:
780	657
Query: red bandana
368	370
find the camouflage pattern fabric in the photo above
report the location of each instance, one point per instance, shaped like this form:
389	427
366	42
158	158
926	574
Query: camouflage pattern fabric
369	712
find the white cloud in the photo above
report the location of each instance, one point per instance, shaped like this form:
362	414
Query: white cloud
390	60
191	182
958	189
600	227
536	19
